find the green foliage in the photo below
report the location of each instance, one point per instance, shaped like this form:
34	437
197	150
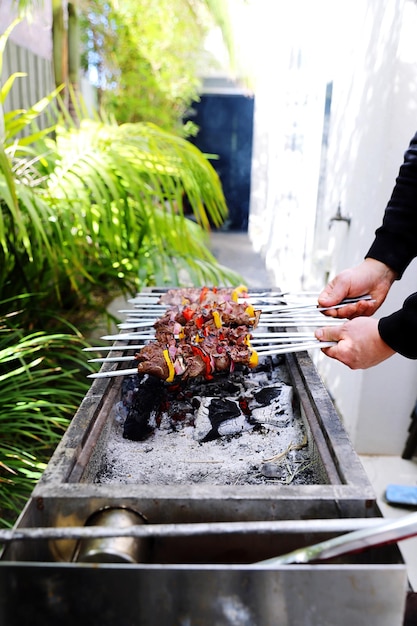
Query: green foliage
102	204
106	202
40	388
147	55
86	208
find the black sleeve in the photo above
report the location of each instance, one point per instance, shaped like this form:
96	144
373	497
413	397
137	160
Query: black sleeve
395	242
399	330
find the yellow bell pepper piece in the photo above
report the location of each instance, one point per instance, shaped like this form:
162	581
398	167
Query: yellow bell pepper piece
170	367
254	359
237	292
217	319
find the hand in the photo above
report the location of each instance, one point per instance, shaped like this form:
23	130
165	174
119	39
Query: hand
370	277
359	344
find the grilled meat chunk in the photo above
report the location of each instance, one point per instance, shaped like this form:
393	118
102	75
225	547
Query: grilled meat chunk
198	339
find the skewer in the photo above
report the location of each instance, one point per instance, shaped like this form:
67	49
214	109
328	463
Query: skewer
273	314
157	294
129	324
112	359
258	344
122	337
282	314
305	308
297	324
315	305
256	334
267	324
280	320
280	294
114	373
138	313
264	322
257	338
135	316
272	318
147	321
295	347
149	304
261	346
286	309
147	295
147	336
309	308
251	293
287	338
146	308
118	348
300	347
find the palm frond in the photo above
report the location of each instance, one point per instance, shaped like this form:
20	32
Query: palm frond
42	381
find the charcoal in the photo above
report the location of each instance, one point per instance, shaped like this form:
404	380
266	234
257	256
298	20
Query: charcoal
220	410
146	399
265	395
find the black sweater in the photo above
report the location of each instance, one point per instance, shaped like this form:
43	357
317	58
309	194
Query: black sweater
395	245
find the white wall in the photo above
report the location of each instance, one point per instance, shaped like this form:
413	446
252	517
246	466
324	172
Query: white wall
292	58
28	52
34	33
373	117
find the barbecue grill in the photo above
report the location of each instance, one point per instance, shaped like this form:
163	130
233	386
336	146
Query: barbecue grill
189	550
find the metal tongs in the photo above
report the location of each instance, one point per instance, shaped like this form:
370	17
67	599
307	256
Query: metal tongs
383	533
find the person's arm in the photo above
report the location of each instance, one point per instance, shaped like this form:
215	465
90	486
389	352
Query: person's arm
359	343
364	342
395	242
394	247
370	277
399	330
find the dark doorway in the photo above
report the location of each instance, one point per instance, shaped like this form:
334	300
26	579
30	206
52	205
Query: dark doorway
225	129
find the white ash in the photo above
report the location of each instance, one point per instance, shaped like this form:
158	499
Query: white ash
270	447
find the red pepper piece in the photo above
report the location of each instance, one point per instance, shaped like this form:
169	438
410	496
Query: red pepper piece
203	292
199	321
206	359
187	313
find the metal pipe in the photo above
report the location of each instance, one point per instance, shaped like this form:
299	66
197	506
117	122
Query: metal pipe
186	530
117	549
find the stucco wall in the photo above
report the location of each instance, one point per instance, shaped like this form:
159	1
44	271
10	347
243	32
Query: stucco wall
33	34
292	59
373	117
28	52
